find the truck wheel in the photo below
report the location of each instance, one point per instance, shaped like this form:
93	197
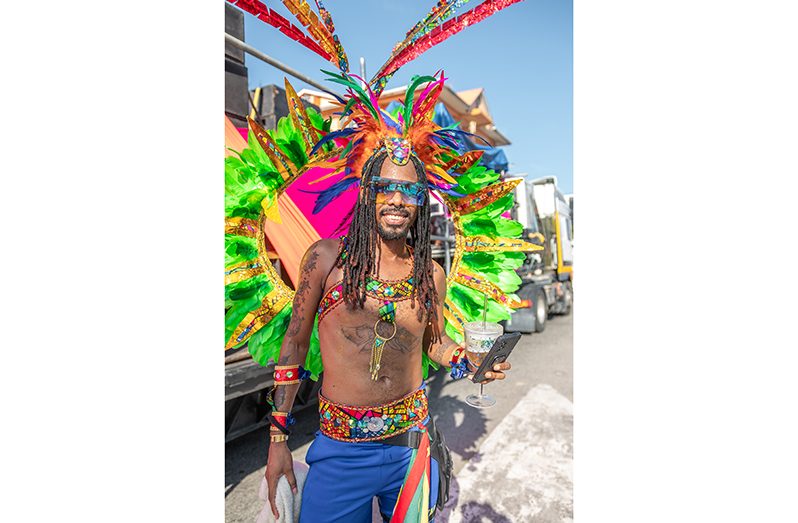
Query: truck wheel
568	299
541	311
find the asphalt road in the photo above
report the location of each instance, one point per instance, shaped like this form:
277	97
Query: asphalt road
542	361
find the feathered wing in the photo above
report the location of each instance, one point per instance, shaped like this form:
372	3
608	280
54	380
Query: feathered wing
258	303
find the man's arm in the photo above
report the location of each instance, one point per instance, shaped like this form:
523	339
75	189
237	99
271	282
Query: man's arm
442	351
313	271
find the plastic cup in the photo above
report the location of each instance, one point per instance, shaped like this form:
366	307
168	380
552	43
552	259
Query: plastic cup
479	338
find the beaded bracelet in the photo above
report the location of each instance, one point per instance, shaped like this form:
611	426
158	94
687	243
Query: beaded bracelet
281	421
459	364
289	374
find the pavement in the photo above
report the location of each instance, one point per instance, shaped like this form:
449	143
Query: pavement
512	462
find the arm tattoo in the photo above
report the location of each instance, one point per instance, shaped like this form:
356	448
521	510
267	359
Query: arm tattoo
298	313
441	350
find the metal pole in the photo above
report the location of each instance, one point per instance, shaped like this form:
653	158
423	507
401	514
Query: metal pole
232	40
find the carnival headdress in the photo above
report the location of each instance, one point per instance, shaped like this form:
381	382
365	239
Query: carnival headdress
487	246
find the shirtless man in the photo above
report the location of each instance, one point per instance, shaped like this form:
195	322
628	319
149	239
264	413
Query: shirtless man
349	462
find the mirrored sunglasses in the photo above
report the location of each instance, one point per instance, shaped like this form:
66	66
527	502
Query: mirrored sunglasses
384	189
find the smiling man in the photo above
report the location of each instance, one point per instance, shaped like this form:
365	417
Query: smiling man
379	302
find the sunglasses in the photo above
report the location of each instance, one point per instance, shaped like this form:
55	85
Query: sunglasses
383	189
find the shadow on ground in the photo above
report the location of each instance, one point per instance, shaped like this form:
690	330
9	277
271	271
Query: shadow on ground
461	425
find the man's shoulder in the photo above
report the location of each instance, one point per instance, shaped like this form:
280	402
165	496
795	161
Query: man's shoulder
325	250
437	270
438	274
326	245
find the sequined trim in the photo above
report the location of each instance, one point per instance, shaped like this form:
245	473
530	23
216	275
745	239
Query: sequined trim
355	424
398	290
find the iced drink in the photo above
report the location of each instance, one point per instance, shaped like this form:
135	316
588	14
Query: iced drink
479	338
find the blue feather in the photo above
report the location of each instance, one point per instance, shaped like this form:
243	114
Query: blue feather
450	192
332	192
461	135
343	133
446	141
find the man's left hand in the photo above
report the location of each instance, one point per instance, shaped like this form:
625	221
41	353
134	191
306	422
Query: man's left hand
497	373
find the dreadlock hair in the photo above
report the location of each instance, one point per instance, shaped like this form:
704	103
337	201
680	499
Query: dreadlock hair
361	261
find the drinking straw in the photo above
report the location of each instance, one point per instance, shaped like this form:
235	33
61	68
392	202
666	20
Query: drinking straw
485	312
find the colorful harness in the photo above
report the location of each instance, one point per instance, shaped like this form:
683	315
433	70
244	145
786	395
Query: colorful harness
383	290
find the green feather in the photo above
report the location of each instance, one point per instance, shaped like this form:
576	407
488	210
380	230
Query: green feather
414	83
236	314
474	179
493	228
493	261
238	249
426	363
264	345
453	333
243	290
257	150
507	281
470	303
364	98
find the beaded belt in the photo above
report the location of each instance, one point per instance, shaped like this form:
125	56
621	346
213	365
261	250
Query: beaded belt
350	423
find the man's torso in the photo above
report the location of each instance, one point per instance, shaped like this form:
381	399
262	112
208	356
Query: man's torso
346	338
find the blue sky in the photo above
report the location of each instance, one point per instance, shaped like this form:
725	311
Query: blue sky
522	57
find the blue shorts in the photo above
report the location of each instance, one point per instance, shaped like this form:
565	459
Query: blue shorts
344	478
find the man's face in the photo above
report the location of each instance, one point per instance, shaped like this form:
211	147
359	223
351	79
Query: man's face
394	214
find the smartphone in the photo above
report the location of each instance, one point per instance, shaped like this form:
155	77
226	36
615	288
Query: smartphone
501	349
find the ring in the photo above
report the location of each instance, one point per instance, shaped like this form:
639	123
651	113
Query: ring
378	335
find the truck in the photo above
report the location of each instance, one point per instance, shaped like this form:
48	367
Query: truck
546	276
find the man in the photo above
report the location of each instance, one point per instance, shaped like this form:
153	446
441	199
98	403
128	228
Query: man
379	303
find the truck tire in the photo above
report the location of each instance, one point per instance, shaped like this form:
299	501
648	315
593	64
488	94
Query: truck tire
568	299
541	311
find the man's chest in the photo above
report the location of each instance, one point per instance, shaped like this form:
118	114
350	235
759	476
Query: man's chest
396	324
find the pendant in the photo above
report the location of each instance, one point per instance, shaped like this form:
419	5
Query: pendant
387	314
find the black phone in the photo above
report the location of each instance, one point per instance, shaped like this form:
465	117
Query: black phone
499	353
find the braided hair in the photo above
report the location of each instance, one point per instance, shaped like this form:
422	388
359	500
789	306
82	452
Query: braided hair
360	261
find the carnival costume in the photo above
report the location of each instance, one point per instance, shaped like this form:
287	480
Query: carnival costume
487	247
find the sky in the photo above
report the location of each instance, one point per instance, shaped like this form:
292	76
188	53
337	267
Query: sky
522	57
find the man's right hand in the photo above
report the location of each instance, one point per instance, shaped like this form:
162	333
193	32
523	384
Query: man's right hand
280	463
